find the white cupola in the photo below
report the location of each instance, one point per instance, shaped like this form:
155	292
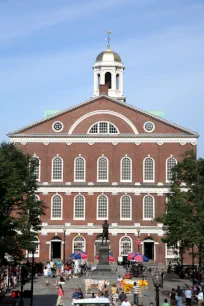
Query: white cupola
108	69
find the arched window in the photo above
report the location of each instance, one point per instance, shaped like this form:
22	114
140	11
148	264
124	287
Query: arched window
57	169
148	207
56	211
79	169
37	248
126	169
125	245
117	81
102	207
170	163
148	169
37	167
79	244
108	80
103	127
125	208
79	207
102	169
99	80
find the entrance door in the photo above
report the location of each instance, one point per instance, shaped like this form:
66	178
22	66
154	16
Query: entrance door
149	250
56	250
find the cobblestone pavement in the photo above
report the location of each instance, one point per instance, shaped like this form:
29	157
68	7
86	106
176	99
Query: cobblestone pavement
47	295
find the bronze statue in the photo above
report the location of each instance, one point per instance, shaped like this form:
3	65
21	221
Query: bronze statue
104	235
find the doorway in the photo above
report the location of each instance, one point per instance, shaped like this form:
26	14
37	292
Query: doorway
56	247
149	250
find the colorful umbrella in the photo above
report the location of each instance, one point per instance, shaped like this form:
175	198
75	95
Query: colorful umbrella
111	258
79	255
136	256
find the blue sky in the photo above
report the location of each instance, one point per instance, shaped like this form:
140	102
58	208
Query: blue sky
47	49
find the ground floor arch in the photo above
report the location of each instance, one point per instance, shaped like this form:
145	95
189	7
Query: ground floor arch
56	248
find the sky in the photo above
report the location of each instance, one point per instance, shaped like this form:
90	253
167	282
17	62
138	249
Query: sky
47	50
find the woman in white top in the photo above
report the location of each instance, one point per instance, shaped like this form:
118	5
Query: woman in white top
45	272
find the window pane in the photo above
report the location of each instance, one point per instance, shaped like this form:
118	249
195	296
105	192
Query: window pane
149	169
94	129
57	168
126	169
148	207
79	244
112	129
79	207
125	207
102	207
125	246
102	169
56	207
37	168
171	163
79	169
103	127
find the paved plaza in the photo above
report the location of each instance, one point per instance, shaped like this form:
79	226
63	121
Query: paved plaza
47	295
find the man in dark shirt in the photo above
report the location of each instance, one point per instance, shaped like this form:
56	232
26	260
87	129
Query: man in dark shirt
122	296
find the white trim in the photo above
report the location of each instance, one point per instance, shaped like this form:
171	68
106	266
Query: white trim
121	169
99	112
120	244
167	181
108	133
148	219
147	130
104	218
122	139
75	180
39	160
125	195
74	218
148	181
58	180
61	128
53	218
107	180
74	241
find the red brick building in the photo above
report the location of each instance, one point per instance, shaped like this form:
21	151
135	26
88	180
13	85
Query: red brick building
104	159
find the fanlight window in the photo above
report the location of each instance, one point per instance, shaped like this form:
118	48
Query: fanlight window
103	127
79	244
125	246
170	164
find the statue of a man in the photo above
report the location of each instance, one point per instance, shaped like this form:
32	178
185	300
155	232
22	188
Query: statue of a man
104	235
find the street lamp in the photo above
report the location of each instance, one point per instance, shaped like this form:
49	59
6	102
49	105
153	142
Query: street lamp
64	229
32	249
138	238
157	281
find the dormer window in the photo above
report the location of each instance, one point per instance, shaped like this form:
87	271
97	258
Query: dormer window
103	127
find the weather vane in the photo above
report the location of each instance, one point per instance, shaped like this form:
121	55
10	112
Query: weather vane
108	39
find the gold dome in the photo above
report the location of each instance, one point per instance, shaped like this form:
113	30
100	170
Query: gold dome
108	55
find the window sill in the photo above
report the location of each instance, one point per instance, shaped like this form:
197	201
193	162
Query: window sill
148	219
104	218
150	181
79	181
102	181
57	180
126	219
126	181
79	219
56	219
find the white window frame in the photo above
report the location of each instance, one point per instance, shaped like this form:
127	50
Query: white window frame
98	124
54	125
77	180
74	241
84	217
168	181
121	218
99	180
56	218
148	219
36	255
39	177
148	130
58	180
120	249
121	169
148	181
104	218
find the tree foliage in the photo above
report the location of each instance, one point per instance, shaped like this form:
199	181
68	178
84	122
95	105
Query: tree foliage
20	209
184	216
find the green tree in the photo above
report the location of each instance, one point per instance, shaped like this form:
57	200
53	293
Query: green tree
20	210
183	219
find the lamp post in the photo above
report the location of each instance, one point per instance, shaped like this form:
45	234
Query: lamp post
138	238
64	229
157	281
193	275
32	250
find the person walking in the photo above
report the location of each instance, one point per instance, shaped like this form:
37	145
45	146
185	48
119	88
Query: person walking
172	296
105	291
200	297
179	296
126	302
45	273
136	292
188	296
122	296
60	294
165	303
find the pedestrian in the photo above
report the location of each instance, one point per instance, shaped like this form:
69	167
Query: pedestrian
172	296
45	273
60	294
188	296
113	289
76	267
105	291
165	303
80	293
58	265
75	295
126	302
179	296
151	304
136	292
162	275
122	296
200	297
